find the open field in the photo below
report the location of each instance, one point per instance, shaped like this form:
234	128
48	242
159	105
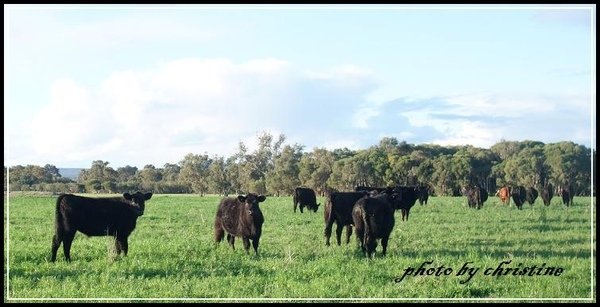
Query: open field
172	255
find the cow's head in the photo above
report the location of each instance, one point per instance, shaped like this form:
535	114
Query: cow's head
138	201
316	207
251	201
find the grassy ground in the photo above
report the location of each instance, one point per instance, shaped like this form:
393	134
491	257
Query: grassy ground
172	255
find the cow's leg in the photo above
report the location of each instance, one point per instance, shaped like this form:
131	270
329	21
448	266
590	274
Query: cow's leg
328	227
56	240
246	244
255	245
403	213
231	240
219	232
118	246
122	241
338	233
348	233
384	243
301	208
295	206
67	241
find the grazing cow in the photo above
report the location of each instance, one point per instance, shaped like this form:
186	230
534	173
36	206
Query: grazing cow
519	195
547	193
115	216
373	219
408	197
338	209
306	198
531	195
423	195
504	194
476	196
240	217
566	193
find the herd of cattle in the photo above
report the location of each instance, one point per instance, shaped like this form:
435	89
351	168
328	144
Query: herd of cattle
370	210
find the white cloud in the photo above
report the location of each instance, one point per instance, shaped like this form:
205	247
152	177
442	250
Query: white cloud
195	105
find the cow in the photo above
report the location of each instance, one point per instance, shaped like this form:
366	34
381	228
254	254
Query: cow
114	216
519	195
547	193
338	209
504	194
373	219
306	198
531	195
408	197
423	194
240	217
476	196
566	193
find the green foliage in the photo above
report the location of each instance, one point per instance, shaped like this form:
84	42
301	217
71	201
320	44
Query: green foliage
172	254
276	169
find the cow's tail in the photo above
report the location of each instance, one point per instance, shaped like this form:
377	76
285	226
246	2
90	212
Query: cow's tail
58	218
366	225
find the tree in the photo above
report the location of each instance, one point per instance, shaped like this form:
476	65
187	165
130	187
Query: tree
194	172
284	177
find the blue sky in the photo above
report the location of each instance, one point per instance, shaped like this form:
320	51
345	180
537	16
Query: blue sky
137	85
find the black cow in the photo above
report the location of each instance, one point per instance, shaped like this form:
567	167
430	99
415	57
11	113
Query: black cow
373	219
566	193
338	209
408	197
519	195
423	195
115	216
531	195
306	198
240	217
547	193
476	196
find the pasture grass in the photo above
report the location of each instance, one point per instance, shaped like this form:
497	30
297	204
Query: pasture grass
172	255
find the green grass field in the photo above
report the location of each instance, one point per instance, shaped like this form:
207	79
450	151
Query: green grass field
172	255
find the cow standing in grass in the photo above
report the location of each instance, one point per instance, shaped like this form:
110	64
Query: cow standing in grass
338	209
566	193
531	195
305	197
240	217
476	196
373	219
519	195
547	193
504	194
115	216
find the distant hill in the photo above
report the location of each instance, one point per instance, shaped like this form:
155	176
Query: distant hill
71	173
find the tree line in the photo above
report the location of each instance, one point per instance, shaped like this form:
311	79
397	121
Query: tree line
276	169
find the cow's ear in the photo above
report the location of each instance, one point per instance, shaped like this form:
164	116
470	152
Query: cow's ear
147	196
261	198
127	196
241	198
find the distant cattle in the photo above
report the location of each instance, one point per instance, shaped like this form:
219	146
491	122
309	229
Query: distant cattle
240	217
306	198
547	193
504	195
531	195
338	209
476	196
115	216
566	193
519	195
373	219
408	197
423	194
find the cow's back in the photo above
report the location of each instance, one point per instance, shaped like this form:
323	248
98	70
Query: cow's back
341	204
95	216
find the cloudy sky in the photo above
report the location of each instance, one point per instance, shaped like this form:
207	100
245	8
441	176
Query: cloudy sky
147	84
